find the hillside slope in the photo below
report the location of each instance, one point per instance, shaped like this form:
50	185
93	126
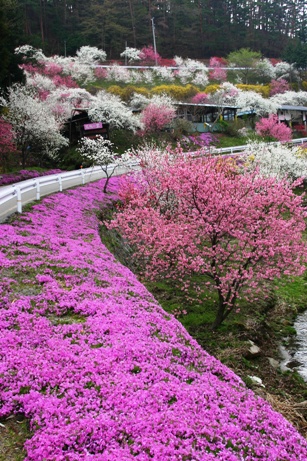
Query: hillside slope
96	365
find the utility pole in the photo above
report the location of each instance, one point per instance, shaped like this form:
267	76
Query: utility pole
154	40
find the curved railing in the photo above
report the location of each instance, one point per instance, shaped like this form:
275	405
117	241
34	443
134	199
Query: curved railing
15	196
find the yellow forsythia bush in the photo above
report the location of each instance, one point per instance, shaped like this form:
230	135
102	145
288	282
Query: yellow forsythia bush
126	92
179	92
117	90
264	90
212	88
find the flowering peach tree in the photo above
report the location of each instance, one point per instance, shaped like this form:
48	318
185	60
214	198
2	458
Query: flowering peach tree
157	114
279	86
272	128
190	217
6	142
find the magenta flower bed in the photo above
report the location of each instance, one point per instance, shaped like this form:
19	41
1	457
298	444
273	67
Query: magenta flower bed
101	371
22	175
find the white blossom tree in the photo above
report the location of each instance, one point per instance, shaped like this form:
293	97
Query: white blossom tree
226	95
131	54
255	103
35	129
286	71
292	98
91	55
29	52
99	152
277	160
112	110
265	69
190	70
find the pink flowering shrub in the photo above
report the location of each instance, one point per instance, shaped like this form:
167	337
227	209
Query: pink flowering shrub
203	140
53	71
155	117
52	68
66	80
272	128
279	86
200	98
217	73
100	72
30	68
167	62
6	137
7	145
100	370
148	54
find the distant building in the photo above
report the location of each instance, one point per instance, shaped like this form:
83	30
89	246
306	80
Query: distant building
294	116
79	125
204	115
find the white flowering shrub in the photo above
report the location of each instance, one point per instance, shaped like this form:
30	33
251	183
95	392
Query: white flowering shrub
292	98
98	152
139	101
255	103
35	129
164	73
118	74
148	76
162	100
286	71
200	78
190	70
41	82
135	76
90	55
178	60
28	51
82	72
265	69
132	54
277	160
227	94
111	109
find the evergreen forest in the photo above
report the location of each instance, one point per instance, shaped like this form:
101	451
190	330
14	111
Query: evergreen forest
195	28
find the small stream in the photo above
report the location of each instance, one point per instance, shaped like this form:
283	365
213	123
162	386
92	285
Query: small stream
294	357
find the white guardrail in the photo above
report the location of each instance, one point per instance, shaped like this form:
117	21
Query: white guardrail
15	196
233	150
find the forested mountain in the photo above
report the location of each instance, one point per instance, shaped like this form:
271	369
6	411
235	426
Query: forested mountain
194	28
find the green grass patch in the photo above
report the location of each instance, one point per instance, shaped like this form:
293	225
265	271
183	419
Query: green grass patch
14	431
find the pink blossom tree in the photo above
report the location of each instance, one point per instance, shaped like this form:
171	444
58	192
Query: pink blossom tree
155	117
279	86
197	217
200	98
218	71
148	54
272	128
6	142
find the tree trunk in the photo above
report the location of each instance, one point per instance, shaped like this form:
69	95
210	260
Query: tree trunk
224	309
